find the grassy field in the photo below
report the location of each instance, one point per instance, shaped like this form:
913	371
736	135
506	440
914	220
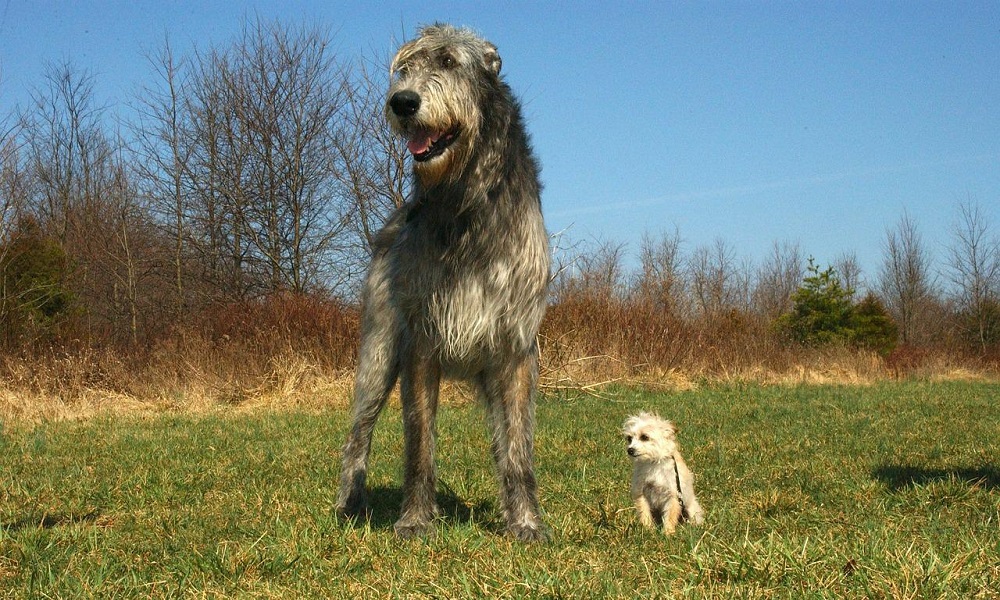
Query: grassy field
887	491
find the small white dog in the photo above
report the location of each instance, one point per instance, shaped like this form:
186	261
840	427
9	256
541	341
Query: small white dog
662	484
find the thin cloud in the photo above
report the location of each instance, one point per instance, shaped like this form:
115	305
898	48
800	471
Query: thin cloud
768	186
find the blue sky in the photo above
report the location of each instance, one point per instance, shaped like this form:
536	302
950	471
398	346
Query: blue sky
751	122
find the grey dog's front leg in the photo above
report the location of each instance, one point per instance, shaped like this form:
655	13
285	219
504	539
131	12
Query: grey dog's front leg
377	371
511	401
375	380
419	385
369	399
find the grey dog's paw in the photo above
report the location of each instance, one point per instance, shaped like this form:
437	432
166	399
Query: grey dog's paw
408	529
529	533
353	507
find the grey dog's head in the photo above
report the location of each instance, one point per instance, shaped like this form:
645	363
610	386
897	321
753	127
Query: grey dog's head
648	437
440	81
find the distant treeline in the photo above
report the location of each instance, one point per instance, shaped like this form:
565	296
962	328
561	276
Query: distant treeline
233	213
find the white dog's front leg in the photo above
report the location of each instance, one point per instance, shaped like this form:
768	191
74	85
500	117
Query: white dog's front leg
645	513
671	516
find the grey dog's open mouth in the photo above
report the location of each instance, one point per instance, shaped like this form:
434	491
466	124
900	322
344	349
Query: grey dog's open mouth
425	145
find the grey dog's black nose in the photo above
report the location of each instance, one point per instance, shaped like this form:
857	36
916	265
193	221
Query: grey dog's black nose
405	103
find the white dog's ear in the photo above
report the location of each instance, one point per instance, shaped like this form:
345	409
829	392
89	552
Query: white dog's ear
630	424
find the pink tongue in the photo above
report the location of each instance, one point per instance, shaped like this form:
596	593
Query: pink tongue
421	142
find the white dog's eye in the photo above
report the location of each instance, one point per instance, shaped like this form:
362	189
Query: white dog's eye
628	439
644	438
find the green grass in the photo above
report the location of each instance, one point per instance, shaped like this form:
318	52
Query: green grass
890	491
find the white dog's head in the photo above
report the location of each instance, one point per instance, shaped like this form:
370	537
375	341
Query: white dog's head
649	437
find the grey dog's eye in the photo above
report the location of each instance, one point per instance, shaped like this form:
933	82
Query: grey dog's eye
447	61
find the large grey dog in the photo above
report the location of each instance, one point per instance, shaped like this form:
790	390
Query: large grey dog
458	281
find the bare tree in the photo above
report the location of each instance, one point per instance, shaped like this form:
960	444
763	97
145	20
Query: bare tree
661	276
718	284
84	198
594	270
778	276
129	256
69	157
905	282
13	179
211	159
286	90
974	262
68	149
850	273
161	135
248	162
373	175
13	195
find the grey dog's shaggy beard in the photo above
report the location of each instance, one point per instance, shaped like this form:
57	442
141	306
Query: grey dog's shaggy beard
458	280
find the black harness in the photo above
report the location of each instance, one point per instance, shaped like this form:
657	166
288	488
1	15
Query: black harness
680	493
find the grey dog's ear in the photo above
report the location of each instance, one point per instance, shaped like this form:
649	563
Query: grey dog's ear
491	58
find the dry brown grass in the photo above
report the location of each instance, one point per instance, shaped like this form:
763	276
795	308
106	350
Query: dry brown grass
86	383
299	352
588	342
292	350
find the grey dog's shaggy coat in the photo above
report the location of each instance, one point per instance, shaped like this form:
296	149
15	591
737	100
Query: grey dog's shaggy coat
458	280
